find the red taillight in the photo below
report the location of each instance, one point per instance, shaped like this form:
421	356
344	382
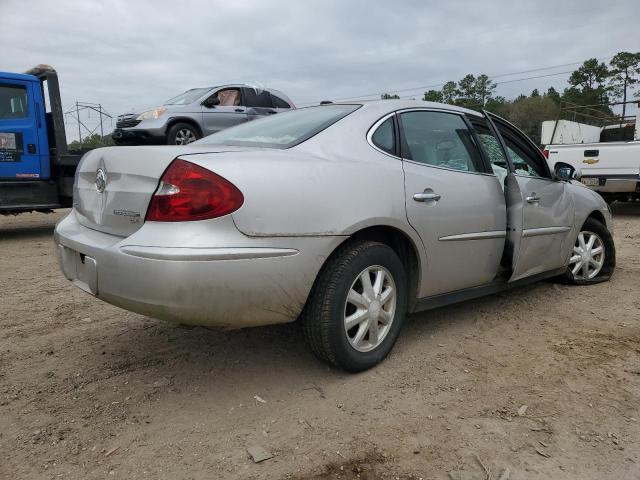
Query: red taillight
190	192
545	152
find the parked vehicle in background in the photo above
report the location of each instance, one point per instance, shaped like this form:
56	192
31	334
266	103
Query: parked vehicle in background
197	113
36	169
346	215
612	169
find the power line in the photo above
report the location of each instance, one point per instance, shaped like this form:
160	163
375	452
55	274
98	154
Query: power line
491	77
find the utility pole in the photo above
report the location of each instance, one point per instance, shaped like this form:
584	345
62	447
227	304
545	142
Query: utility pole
100	113
78	120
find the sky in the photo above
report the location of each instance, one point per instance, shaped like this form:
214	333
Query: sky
136	53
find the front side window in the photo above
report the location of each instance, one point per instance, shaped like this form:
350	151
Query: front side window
491	147
13	101
527	160
385	136
229	97
440	140
283	130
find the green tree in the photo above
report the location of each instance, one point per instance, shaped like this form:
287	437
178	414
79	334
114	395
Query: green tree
433	96
535	93
92	141
588	84
553	94
497	105
449	92
467	92
388	96
590	76
484	89
528	113
625	68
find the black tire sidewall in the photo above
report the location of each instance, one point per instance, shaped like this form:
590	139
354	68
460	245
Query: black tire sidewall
173	131
345	355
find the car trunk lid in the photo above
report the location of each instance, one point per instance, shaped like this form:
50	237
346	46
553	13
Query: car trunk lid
114	185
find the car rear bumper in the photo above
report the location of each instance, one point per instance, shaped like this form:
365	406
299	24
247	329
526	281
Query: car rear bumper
259	282
612	183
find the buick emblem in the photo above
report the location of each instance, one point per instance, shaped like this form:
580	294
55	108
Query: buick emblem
101	180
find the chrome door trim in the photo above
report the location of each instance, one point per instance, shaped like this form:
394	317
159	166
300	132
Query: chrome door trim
534	232
486	174
186	254
474	236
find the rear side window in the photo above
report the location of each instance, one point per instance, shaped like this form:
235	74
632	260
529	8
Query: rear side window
13	101
257	98
278	102
385	136
440	140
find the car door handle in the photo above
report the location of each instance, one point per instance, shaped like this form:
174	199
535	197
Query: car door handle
239	109
426	197
533	198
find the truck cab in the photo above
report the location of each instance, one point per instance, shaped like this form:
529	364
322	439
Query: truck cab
36	171
24	148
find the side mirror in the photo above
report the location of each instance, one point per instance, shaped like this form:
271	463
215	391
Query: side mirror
211	102
564	171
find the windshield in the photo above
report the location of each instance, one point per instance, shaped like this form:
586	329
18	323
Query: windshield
185	98
283	130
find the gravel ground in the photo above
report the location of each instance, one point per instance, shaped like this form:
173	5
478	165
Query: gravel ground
543	381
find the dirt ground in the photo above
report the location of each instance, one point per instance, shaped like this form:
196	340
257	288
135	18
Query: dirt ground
542	381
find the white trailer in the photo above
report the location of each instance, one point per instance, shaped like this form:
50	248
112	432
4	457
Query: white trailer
564	132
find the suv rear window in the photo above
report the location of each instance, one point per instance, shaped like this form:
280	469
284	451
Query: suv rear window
283	130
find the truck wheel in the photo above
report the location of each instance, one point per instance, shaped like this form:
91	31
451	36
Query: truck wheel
593	258
182	134
357	306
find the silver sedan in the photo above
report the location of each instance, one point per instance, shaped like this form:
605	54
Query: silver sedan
344	216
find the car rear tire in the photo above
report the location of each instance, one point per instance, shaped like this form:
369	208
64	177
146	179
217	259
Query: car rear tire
182	134
357	306
593	258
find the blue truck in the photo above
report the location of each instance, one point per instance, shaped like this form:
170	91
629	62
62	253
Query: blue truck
36	169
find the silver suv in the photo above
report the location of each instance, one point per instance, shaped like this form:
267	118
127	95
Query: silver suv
197	113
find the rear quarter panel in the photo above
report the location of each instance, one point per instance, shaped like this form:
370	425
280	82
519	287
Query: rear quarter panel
313	191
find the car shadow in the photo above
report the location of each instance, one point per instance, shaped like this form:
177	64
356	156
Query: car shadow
625	209
26	232
29	225
266	359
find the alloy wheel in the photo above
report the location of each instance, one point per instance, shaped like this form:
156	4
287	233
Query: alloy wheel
588	256
185	136
370	308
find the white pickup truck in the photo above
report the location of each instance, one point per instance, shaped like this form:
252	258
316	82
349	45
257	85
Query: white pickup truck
611	168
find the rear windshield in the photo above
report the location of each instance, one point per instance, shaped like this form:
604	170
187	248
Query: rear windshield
283	130
185	98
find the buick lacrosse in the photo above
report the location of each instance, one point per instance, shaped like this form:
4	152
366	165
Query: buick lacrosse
346	217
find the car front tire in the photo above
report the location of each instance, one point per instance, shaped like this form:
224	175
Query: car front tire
357	306
182	134
593	258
